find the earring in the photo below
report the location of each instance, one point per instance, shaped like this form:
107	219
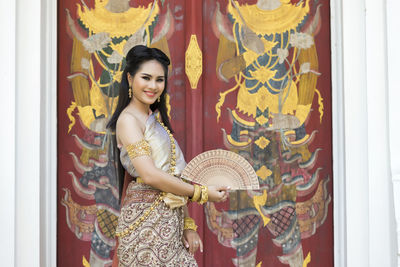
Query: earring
158	99
130	92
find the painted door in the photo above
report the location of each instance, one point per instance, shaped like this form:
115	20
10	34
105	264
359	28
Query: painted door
252	77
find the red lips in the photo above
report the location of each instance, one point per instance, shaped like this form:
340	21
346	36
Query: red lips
149	94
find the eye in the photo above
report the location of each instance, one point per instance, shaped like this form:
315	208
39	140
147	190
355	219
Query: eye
160	80
146	78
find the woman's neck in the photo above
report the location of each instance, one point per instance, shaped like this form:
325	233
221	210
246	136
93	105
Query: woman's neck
139	108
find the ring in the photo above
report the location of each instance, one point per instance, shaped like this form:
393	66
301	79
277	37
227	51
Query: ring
196	242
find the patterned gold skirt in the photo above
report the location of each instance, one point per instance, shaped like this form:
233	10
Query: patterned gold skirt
158	239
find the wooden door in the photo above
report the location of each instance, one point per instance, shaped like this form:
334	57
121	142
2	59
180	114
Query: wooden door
252	77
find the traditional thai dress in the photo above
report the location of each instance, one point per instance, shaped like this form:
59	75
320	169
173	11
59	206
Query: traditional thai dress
157	241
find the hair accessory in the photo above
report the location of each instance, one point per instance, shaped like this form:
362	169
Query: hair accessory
189	224
130	92
158	99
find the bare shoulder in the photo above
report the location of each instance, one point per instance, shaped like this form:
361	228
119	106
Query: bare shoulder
127	119
129	128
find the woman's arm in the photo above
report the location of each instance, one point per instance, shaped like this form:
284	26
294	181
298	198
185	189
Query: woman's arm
130	131
191	238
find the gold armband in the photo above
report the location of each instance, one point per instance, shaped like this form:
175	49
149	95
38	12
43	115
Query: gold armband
197	193
140	148
204	194
190	224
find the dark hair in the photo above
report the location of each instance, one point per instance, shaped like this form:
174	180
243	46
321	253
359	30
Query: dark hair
134	60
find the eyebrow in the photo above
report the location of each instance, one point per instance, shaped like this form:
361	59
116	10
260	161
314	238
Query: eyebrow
146	74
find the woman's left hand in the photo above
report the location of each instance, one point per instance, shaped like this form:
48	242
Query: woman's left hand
192	241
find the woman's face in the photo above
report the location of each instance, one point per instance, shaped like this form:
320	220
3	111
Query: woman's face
148	82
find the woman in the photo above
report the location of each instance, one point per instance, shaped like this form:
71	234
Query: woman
154	228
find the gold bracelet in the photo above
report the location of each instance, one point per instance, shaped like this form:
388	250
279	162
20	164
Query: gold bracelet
197	193
189	224
140	148
204	194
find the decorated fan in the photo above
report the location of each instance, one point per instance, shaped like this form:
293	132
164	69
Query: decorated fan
221	167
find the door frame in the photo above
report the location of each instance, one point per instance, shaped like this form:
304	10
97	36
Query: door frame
48	155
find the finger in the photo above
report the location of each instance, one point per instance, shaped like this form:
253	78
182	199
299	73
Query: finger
201	245
191	245
186	243
224	188
221	188
195	246
221	196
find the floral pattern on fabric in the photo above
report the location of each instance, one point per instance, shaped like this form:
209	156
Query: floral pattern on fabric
158	239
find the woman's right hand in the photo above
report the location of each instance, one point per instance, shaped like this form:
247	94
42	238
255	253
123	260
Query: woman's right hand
217	193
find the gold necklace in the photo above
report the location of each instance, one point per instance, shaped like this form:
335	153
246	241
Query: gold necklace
172	164
172	160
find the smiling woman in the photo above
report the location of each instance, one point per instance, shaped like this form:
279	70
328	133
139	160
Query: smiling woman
148	84
153	198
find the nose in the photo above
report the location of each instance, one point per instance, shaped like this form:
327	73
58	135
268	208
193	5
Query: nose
152	84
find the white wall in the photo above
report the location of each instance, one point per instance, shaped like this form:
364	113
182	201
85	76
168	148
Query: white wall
355	133
369	224
28	158
338	148
382	225
48	135
365	83
7	135
27	143
393	52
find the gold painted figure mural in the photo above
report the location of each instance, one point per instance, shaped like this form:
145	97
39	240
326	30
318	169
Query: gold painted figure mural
268	49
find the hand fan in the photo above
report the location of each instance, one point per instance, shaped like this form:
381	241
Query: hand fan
221	167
